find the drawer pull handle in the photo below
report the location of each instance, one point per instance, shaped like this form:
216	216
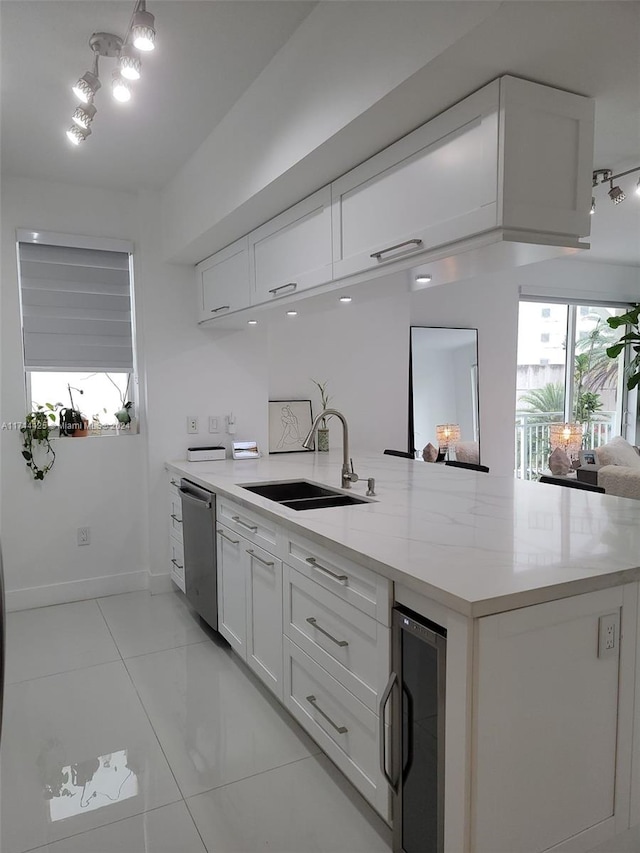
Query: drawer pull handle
221	308
175	483
378	255
259	559
393	679
238	520
314	564
292	284
313	621
228	538
175	518
340	729
177	564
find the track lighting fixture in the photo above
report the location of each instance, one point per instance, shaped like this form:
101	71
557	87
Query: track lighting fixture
143	34
140	35
616	193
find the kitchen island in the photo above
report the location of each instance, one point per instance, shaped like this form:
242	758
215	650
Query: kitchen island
540	748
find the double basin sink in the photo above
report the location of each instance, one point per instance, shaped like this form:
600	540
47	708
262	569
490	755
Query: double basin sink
300	494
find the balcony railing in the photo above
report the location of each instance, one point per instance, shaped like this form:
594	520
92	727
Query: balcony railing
532	439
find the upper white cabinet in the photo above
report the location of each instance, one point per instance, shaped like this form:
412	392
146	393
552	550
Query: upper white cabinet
223	281
514	155
434	186
293	251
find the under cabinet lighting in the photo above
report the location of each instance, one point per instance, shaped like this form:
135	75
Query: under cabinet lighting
345	299
252	322
292	313
423	279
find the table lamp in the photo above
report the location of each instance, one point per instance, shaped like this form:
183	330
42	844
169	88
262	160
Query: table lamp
566	436
447	434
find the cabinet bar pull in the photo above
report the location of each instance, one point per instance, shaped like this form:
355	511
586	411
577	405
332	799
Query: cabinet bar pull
292	284
175	518
259	559
177	564
313	562
228	538
340	729
238	520
175	483
415	242
393	678
313	621
221	308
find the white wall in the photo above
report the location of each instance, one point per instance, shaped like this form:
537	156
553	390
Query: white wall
96	481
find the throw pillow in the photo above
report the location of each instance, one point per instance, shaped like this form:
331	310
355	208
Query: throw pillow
618	452
559	462
430	453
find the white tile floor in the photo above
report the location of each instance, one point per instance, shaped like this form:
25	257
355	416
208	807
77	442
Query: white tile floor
131	729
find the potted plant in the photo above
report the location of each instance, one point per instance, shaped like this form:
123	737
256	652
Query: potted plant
630	340
125	413
323	430
72	421
37	450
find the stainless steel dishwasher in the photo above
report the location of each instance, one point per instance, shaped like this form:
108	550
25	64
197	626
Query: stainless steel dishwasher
199	534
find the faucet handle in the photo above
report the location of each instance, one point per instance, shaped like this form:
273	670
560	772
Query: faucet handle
371	487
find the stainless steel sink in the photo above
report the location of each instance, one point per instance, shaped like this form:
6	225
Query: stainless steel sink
300	494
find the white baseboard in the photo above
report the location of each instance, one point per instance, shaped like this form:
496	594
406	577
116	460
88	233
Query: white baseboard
61	593
160	583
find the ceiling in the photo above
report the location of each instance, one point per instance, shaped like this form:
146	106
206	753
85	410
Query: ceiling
210	51
207	54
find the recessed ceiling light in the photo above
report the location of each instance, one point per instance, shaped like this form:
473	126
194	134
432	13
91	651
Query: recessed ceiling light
423	279
345	299
252	322
292	313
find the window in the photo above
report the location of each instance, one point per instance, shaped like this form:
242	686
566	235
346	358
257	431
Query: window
564	374
77	326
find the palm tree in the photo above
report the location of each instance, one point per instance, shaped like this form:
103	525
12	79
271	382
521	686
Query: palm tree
544	401
600	371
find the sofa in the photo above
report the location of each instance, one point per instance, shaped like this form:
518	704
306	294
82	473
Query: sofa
619	472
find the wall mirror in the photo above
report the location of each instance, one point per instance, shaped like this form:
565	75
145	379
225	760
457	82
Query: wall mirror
443	389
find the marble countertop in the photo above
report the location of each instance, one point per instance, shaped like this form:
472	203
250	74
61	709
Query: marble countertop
476	543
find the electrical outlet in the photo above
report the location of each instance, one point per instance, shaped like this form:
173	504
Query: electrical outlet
192	425
608	635
84	536
213	425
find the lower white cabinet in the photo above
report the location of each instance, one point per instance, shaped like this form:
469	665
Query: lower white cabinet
176	548
176	557
250	604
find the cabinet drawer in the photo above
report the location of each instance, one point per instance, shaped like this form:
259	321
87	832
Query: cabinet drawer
348	643
363	588
345	729
175	513
256	528
176	558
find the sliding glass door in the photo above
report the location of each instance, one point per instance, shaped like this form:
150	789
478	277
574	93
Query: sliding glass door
565	375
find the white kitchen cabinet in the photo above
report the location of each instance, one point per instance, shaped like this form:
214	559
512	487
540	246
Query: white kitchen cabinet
514	156
250	604
232	594
175	540
292	252
176	557
264	616
222	281
546	726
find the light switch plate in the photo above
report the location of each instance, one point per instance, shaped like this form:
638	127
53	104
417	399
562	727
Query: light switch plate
609	635
213	424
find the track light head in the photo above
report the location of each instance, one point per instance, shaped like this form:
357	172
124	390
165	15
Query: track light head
120	87
77	134
616	194
84	115
143	34
593	205
87	86
129	62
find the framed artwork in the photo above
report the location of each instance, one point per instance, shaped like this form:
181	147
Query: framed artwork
289	423
588	459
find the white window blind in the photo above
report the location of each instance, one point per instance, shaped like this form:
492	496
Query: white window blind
76	309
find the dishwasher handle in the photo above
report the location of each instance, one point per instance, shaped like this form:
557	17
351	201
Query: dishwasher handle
195	495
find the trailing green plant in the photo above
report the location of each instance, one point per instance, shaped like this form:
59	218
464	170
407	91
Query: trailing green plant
629	341
36	432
